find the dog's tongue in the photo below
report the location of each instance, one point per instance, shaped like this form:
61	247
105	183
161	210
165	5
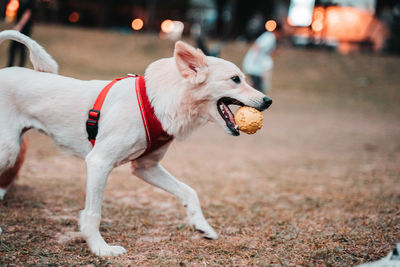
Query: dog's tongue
228	113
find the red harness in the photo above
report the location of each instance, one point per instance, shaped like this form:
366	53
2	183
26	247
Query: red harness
155	134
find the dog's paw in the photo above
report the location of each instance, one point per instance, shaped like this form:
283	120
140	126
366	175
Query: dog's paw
109	251
207	231
208	234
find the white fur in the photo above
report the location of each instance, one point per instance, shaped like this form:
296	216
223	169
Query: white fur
41	60
183	89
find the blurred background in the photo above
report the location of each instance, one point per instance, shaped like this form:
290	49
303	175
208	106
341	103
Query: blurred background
317	185
342	24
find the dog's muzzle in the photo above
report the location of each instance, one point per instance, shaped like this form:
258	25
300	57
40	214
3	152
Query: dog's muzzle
265	104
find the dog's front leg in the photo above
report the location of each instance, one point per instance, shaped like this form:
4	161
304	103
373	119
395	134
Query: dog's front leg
98	170
158	176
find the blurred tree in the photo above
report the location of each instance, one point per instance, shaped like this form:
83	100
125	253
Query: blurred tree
249	9
3	4
233	16
231	20
220	24
151	7
104	13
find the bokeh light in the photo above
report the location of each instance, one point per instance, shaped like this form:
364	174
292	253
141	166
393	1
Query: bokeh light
317	25
333	16
137	24
300	12
74	17
167	26
12	8
319	13
178	26
270	25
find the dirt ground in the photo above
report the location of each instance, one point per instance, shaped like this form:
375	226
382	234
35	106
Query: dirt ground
317	186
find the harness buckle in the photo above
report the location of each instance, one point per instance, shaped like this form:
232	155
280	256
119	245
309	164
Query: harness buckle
92	129
92	124
94	114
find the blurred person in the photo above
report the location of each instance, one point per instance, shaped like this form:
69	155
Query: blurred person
197	34
258	63
24	25
212	52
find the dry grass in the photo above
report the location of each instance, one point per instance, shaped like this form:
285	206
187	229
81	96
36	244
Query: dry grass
319	185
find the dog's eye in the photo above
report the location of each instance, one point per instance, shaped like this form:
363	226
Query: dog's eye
236	79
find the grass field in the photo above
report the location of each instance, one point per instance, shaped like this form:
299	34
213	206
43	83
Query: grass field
317	186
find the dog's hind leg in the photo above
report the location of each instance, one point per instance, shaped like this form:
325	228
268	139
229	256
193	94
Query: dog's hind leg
12	156
158	176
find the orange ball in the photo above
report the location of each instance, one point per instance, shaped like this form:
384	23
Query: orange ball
248	119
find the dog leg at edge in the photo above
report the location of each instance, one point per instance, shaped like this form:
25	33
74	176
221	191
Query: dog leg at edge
160	177
8	176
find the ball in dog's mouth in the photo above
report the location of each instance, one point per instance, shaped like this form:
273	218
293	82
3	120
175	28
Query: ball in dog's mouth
249	119
227	115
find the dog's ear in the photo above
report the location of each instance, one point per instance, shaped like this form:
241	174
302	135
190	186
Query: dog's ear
191	62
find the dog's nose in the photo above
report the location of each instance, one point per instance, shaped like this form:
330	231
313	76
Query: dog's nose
266	103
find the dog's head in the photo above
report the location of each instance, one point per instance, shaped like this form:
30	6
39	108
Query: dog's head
219	83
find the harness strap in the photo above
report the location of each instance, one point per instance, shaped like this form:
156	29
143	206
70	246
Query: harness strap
94	114
155	134
143	114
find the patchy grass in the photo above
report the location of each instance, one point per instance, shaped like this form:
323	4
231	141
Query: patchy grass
318	185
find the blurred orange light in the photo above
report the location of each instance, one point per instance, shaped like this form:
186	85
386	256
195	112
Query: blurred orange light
73	17
351	17
12	8
317	26
13	5
333	16
167	26
270	25
346	26
318	15
137	24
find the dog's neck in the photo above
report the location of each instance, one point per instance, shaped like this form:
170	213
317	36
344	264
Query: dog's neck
179	111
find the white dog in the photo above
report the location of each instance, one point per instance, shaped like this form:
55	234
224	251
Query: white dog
186	91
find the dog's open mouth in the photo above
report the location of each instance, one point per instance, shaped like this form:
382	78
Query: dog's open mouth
226	113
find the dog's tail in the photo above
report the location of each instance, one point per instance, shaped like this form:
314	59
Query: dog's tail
40	59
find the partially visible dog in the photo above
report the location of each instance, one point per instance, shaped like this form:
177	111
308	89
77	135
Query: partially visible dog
8	176
186	91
